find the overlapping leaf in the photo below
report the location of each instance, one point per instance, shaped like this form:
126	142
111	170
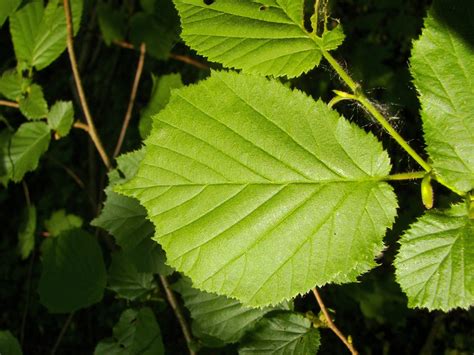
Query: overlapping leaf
267	38
125	280
137	332
125	219
435	265
282	334
60	222
442	65
258	193
39	33
218	316
20	152
26	234
73	274
32	104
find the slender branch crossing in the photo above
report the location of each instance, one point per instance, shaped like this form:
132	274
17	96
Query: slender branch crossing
178	312
131	103
82	97
9	104
331	324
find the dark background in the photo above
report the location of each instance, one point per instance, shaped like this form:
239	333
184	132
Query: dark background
374	311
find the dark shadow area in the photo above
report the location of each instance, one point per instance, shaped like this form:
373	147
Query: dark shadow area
458	16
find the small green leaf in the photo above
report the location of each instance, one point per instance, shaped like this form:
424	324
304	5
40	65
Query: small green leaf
435	264
126	281
137	332
262	37
112	23
218	316
22	151
7	7
39	34
33	105
26	234
442	65
283	334
125	219
11	85
249	183
9	345
60	222
160	96
73	274
61	117
158	30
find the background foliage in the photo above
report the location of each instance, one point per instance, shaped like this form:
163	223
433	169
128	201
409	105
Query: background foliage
66	191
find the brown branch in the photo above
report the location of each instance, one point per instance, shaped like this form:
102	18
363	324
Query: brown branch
179	57
9	104
131	102
124	44
82	126
179	313
62	332
82	97
331	324
189	60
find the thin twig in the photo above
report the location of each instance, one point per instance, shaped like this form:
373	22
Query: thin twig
179	313
189	60
131	102
179	57
82	126
124	44
331	324
27	193
77	78
62	332
28	293
9	103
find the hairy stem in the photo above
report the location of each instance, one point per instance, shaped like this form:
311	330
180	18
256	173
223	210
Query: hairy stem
360	97
407	176
178	312
131	102
369	106
82	97
331	324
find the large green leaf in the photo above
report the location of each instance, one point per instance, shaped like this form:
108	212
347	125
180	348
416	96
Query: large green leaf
442	65
137	332
6	9
39	33
218	316
125	219
244	34
9	345
282	334
21	152
125	280
435	265
73	274
259	193
26	234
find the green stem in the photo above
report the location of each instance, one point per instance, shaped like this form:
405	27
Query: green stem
365	102
403	143
407	176
360	97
